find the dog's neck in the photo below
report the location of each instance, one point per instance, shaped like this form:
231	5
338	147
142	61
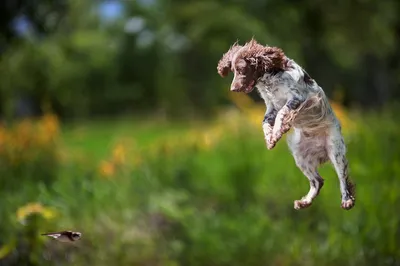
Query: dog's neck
267	80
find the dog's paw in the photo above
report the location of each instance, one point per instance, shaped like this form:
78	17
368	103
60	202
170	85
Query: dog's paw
301	204
270	142
348	204
270	145
276	136
278	133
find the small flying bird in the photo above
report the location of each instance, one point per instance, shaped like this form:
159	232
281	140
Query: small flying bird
64	236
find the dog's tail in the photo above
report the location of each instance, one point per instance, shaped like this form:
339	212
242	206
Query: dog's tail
314	113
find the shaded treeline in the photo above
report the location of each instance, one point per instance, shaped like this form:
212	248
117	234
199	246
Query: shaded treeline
161	55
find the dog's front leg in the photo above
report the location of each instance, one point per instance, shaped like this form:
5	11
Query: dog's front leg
268	125
284	119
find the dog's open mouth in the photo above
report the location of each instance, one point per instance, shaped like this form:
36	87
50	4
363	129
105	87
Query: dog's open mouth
250	87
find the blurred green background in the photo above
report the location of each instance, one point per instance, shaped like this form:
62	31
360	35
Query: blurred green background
115	123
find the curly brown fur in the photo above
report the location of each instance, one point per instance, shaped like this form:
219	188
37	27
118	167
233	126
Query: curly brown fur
293	100
264	58
225	63
253	59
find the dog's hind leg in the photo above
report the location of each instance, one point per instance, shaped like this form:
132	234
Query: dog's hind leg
308	154
316	183
336	152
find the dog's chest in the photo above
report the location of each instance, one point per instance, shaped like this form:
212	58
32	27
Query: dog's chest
272	91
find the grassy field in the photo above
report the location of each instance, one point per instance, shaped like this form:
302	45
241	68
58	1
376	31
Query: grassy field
151	192
95	138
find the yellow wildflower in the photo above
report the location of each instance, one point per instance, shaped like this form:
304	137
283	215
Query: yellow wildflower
48	127
207	141
23	136
3	137
343	117
255	116
34	208
119	154
50	124
210	137
107	169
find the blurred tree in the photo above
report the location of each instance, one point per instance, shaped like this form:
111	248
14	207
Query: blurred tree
43	16
161	55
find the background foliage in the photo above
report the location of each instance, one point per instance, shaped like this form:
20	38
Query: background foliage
88	58
115	123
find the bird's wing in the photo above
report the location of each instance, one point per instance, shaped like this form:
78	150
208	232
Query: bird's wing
54	235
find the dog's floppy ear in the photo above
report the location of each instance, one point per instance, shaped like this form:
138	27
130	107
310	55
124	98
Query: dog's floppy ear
225	63
273	59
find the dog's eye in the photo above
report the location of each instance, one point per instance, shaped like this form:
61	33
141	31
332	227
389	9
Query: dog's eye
241	70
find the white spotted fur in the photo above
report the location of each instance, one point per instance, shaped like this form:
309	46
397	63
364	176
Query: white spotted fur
316	137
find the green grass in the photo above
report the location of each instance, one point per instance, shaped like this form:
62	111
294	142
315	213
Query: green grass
96	138
230	203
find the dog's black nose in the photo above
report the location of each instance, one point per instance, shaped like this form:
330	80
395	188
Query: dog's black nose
235	89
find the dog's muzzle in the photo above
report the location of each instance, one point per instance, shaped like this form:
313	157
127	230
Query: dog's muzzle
247	89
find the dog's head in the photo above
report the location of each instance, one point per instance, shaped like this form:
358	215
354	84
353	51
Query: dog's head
249	63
